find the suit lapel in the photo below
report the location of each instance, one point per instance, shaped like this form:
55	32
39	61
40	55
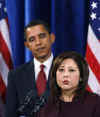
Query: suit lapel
48	84
30	75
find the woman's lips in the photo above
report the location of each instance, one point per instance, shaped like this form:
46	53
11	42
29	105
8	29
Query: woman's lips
66	82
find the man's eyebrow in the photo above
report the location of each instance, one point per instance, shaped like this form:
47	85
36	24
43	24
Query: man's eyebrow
31	37
42	33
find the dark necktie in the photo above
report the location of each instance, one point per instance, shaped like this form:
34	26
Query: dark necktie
41	81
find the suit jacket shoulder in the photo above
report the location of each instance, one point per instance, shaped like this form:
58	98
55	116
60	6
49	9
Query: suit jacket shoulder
22	79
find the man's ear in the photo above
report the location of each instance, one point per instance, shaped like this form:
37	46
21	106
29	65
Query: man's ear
52	37
26	44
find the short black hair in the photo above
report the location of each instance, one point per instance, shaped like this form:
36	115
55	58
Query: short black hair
37	22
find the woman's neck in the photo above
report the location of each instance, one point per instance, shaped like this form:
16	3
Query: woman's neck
67	96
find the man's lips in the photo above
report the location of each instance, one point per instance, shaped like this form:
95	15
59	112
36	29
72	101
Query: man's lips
40	49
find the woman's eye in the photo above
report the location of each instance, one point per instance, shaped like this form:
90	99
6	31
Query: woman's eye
60	69
72	70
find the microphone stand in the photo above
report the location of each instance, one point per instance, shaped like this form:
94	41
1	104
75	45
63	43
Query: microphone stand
31	105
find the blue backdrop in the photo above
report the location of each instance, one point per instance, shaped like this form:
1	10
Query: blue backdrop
68	20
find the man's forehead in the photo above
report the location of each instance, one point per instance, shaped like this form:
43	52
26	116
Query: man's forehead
39	26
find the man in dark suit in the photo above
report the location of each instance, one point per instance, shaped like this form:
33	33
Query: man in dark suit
39	40
2	108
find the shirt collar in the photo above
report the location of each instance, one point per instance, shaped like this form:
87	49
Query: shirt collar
46	63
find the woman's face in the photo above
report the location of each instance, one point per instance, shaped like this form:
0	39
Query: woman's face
68	75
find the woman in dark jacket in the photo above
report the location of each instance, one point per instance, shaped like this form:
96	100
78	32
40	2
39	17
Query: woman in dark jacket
69	97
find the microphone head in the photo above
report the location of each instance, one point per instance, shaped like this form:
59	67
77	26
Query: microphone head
40	102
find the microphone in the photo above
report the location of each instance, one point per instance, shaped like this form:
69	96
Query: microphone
40	102
31	104
27	105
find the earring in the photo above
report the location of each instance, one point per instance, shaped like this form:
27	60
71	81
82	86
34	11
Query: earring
80	80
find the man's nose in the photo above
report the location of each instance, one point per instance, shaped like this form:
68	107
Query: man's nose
38	41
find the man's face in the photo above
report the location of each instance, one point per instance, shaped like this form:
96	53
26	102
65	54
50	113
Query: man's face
39	41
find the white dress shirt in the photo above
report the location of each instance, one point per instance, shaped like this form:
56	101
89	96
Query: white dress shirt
47	65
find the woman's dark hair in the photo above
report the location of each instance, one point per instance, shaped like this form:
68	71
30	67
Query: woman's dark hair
83	68
35	23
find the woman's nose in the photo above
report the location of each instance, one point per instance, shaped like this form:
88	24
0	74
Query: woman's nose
66	74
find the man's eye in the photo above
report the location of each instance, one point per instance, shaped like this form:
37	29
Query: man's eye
42	35
31	39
